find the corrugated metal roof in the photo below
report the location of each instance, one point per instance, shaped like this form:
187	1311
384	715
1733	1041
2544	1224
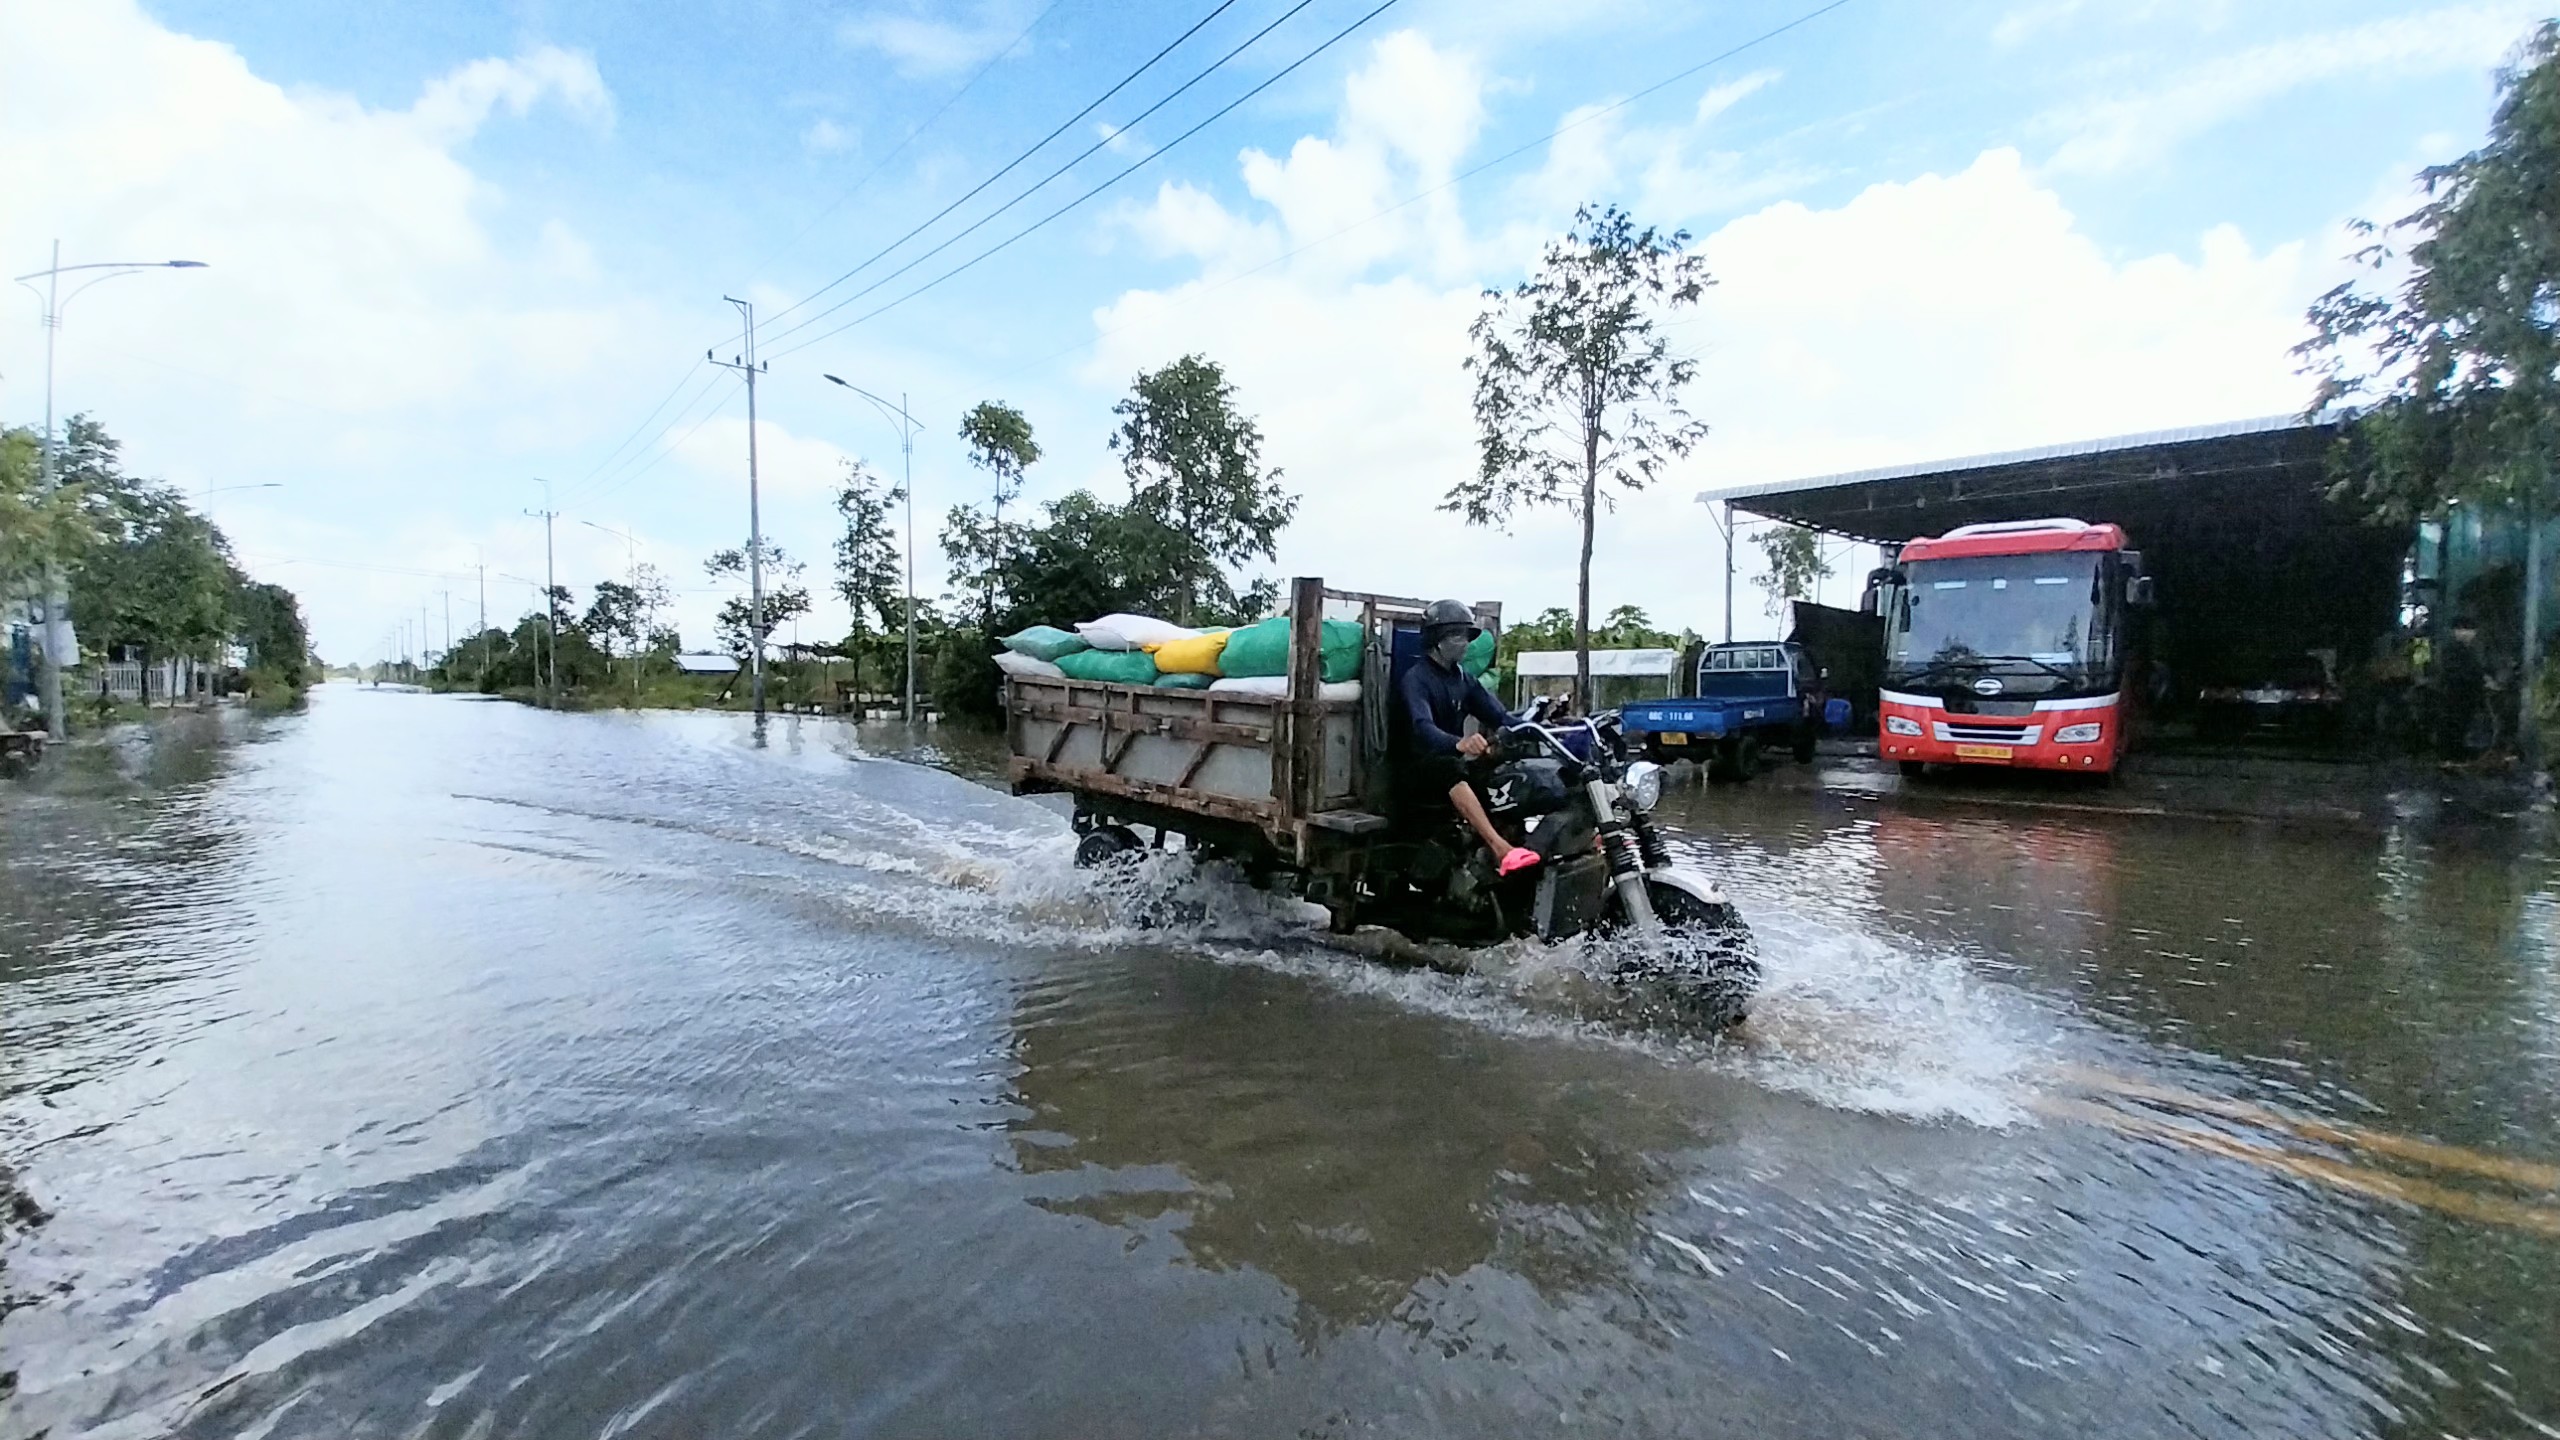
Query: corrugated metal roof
706	664
2262	425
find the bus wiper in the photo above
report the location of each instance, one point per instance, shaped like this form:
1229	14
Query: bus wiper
2056	671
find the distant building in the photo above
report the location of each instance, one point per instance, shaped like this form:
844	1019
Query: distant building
711	664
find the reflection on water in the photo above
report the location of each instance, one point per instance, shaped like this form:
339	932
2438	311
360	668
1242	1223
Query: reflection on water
423	1066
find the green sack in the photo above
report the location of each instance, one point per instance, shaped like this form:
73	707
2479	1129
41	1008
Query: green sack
1479	656
1045	642
1185	682
1120	667
1261	650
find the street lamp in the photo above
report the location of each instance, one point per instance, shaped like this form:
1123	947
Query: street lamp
907	444
227	489
57	599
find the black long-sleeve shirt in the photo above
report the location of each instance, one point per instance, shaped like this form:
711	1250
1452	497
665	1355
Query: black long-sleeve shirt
1435	701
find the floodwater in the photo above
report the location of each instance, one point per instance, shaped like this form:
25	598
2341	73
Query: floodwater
423	1066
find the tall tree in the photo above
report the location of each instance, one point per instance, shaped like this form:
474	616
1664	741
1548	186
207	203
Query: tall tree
2453	374
867	573
1575	387
784	601
1793	565
1000	443
36	530
1194	463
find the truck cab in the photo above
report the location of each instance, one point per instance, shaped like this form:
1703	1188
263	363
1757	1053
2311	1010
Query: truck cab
1745	697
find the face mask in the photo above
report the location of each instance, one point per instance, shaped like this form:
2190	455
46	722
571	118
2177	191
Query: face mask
1451	647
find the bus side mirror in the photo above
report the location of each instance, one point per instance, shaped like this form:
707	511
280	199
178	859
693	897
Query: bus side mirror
2137	592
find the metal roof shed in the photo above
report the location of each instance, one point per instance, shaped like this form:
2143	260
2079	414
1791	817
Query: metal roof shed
2255	563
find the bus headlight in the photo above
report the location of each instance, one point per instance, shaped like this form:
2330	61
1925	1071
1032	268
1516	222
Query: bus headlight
2079	734
1643	785
1901	725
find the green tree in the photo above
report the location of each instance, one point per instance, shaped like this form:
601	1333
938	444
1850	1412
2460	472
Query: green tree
1195	470
160	577
1575	387
868	576
784	601
2453	374
270	628
1629	628
1000	443
1792	565
36	531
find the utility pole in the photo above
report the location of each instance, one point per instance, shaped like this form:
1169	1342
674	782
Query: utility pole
745	363
907	443
481	570
550	587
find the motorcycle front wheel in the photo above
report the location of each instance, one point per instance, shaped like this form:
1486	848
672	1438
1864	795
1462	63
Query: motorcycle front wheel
1707	967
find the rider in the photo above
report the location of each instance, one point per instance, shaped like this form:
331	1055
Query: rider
1434	697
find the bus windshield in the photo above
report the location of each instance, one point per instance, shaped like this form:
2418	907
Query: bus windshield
2032	608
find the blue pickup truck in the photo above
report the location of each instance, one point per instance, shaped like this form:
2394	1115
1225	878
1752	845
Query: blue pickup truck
1744	698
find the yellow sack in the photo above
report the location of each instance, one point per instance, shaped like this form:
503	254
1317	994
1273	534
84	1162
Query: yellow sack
1197	655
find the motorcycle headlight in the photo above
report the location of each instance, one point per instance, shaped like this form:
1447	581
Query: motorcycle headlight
2078	734
1901	725
1642	785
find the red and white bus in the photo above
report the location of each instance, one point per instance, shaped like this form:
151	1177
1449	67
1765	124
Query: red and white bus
2012	644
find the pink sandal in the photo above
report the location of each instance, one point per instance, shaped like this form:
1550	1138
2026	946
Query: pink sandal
1520	858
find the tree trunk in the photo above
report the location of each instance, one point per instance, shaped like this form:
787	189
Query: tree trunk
1582	596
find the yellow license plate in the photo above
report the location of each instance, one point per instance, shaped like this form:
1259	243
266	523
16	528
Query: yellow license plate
1673	738
1985	752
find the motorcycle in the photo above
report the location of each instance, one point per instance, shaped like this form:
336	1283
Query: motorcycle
1571	792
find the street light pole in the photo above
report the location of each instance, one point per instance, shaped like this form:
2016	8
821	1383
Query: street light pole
57	596
907	445
550	587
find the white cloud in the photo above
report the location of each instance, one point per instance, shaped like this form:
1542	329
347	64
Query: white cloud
2112	134
371	301
457	104
924	47
1943	316
825	137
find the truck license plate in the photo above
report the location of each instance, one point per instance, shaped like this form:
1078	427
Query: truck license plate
1673	737
1985	752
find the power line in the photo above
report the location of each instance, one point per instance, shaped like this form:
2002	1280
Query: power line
608	479
895	150
1143	161
1468	174
636	429
1081	156
832	206
668	449
1036	146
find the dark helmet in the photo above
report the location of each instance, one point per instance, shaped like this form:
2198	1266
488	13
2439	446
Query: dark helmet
1443	616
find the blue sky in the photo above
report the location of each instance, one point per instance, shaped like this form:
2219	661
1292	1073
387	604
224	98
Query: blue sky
457	247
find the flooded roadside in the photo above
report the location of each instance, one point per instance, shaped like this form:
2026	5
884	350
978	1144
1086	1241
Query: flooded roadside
423	1065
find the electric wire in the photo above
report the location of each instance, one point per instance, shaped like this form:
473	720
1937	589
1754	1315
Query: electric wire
1036	146
617	450
1143	161
1465	175
604	481
895	150
1036	186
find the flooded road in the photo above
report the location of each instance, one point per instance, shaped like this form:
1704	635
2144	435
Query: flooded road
422	1066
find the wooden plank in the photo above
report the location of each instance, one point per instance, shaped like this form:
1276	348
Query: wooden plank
1305	744
1199	757
1179	727
1221	807
1058	742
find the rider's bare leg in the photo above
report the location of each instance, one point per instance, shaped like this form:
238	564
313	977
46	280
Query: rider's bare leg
1469	805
